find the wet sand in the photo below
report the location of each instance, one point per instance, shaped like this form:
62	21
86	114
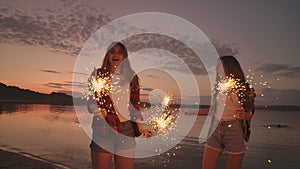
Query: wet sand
11	160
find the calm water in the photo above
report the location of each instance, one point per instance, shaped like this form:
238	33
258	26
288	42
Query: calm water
54	134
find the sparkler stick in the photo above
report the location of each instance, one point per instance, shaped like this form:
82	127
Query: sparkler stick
100	87
166	101
163	121
228	84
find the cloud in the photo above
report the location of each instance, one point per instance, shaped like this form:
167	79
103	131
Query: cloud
61	29
50	71
280	70
148	89
150	40
225	49
79	73
54	85
270	67
66	27
65	84
178	48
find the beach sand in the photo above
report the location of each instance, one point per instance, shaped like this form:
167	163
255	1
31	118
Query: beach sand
11	160
188	157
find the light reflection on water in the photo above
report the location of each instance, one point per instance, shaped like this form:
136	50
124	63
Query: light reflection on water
52	132
48	131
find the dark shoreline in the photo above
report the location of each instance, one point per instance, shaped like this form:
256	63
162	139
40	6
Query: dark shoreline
12	160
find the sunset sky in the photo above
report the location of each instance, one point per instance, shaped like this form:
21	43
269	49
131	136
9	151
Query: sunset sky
40	40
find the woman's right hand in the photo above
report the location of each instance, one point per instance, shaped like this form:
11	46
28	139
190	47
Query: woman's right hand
102	112
147	132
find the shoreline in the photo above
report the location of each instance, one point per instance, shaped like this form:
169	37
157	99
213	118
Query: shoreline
17	160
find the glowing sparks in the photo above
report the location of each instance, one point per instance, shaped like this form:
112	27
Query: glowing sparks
233	85
166	100
164	116
98	87
259	82
162	123
228	84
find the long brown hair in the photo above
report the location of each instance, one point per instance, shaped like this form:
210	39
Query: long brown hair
125	68
232	68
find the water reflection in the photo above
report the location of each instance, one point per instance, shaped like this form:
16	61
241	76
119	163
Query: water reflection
62	113
51	132
13	108
61	109
49	112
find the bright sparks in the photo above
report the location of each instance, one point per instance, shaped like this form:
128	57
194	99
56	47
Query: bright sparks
166	101
231	84
163	122
228	84
99	86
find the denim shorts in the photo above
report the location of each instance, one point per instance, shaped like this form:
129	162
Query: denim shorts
228	137
113	142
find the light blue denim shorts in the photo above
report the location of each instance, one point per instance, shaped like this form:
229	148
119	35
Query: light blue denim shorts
113	142
227	137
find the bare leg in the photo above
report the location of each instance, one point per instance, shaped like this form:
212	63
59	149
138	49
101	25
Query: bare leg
210	158
234	161
124	162
101	160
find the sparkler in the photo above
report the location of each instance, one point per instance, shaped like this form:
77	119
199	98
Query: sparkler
228	84
98	87
258	82
164	121
231	84
166	101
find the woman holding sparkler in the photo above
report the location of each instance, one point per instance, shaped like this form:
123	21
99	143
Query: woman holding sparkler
116	110
236	96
